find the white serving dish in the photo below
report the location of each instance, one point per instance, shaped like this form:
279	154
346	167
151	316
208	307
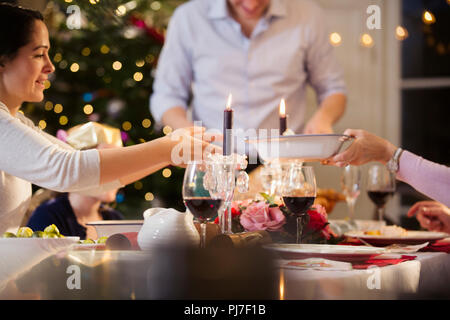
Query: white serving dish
106	228
304	147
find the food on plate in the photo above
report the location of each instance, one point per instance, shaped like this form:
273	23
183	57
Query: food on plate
51	229
389	231
9	235
49	235
38	234
87	241
24	232
102	240
50	232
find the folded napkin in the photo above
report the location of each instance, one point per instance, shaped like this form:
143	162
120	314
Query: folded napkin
438	246
379	262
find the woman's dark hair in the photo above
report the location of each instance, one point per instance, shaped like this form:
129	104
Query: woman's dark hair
16	24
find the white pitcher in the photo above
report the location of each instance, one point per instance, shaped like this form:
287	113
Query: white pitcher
167	227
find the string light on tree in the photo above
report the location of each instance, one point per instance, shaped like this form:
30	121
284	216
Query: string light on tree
140	63
428	17
127	126
63	64
88	109
166	173
63	120
335	39
42	124
75	67
138	185
401	33
47	84
138	76
155	5
48	106
58	108
167	130
57	58
117	65
121	10
149	196
146	123
86	52
367	40
104	49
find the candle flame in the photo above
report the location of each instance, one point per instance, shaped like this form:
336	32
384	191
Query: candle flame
229	101
282	108
281	286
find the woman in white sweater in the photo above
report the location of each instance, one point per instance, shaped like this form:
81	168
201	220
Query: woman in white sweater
29	155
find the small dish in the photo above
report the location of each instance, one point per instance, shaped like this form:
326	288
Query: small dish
107	228
411	237
304	147
330	252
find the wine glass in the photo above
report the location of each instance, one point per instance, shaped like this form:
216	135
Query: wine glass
271	177
380	187
299	192
351	183
201	202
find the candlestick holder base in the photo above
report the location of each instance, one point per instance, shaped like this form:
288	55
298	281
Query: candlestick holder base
223	175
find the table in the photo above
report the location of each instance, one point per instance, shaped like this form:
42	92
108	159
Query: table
426	276
218	275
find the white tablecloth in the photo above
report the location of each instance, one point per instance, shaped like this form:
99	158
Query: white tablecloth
428	276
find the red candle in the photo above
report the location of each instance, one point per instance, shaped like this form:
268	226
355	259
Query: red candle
283	120
227	129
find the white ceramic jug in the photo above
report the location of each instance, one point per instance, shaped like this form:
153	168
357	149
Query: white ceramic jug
167	227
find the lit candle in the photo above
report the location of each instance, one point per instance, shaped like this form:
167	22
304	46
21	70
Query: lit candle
227	129
283	121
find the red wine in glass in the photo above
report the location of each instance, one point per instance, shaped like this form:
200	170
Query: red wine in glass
203	208
380	198
298	205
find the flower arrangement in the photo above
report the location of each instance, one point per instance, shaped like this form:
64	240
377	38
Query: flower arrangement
273	216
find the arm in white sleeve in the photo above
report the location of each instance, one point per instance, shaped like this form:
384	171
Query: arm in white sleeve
90	191
29	155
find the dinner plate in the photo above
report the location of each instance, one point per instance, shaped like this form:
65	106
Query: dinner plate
106	228
411	237
20	254
305	147
326	251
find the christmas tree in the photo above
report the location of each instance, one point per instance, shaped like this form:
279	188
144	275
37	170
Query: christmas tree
105	54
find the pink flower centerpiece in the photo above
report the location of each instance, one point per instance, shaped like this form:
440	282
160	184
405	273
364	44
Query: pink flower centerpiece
275	217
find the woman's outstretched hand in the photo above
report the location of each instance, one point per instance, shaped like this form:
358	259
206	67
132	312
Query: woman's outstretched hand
367	147
189	144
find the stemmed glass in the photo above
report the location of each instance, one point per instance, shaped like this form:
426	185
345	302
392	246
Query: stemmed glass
299	192
351	183
380	187
271	174
202	203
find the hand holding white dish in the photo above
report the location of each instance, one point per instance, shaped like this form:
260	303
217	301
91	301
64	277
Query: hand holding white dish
306	147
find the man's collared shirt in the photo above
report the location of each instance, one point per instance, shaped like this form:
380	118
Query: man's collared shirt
206	52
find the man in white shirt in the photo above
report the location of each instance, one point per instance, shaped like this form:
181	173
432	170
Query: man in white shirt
259	51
